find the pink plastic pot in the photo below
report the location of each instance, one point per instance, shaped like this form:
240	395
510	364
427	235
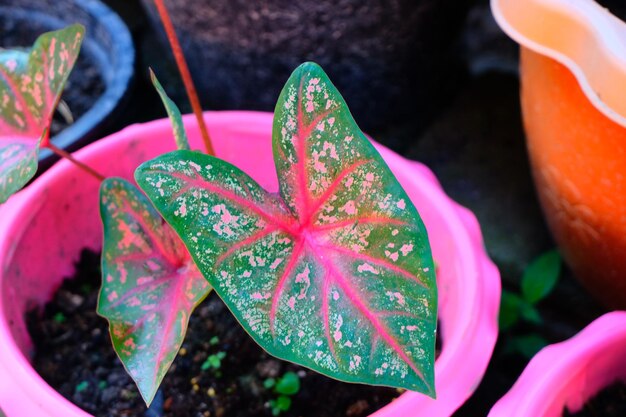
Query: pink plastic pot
567	374
43	229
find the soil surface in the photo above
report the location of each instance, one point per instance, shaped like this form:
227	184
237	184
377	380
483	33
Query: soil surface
73	353
85	84
610	402
617	7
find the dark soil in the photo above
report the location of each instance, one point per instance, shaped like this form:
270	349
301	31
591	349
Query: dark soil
610	402
617	7
74	355
85	84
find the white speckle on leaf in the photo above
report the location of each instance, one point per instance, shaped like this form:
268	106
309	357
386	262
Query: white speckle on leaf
349	208
365	267
406	249
338	334
396	296
391	255
276	262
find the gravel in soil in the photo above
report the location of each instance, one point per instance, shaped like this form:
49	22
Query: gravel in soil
610	402
74	355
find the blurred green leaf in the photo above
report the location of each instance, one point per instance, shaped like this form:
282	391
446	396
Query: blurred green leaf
529	313
510	307
513	308
269	383
541	276
280	404
527	345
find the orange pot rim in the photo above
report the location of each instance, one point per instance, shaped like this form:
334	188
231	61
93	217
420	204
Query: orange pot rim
581	35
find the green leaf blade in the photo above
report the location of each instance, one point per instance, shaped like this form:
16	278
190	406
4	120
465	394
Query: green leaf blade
339	281
527	345
510	310
541	276
150	285
180	136
30	88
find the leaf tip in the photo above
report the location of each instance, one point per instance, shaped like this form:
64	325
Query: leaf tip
153	77
432	393
79	28
147	391
309	66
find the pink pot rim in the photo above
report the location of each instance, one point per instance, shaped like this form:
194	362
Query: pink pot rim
580	34
570	372
458	373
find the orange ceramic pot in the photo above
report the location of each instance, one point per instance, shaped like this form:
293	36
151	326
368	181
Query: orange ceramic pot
573	76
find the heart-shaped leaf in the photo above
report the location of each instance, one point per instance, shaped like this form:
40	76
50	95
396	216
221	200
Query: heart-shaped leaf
30	88
180	136
336	273
541	276
150	285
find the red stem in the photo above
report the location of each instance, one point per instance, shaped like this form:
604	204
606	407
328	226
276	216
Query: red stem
69	157
184	73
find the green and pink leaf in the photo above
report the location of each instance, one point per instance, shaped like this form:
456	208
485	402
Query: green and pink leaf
18	164
150	284
336	273
30	88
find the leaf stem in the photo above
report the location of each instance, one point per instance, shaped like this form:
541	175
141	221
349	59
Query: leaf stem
184	73
63	154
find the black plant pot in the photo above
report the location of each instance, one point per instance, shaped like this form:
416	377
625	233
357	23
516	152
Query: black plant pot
392	60
98	87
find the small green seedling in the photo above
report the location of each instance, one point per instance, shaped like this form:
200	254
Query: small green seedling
538	281
82	386
213	362
286	386
59	317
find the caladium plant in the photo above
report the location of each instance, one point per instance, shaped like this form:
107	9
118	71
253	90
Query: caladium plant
335	272
150	284
31	84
